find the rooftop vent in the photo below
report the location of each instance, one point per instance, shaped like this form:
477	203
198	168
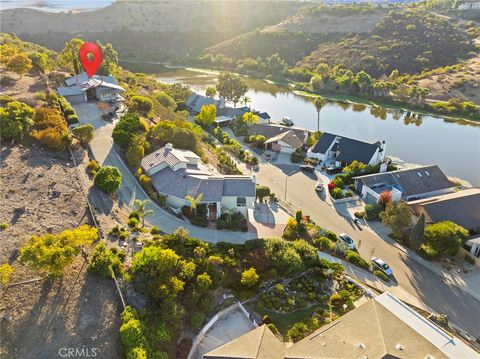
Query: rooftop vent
399	346
429	356
362	346
169	146
152	164
427	173
419	174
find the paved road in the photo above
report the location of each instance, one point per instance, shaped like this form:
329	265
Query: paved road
426	285
421	282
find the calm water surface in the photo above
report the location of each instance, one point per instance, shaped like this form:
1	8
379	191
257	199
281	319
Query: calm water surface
56	5
454	147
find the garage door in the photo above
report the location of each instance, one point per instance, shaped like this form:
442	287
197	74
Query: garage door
75	98
369	198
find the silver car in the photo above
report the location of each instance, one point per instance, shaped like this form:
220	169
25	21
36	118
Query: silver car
381	265
347	241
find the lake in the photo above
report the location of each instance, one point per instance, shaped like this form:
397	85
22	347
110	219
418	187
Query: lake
56	5
453	146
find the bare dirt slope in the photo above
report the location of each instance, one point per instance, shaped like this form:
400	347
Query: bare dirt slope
463	83
39	194
22	88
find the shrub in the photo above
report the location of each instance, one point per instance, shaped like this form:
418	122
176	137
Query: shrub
141	104
359	214
108	179
337	193
381	275
428	252
262	192
72	119
338	182
102	259
372	211
266	319
93	166
354	258
84	133
445	237
324	244
133	222
200	221
330	235
155	230
6	271
3	226
197	319
249	277
336	300
273	328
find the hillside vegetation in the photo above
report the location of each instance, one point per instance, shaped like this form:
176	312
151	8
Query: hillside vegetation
299	35
407	40
163	30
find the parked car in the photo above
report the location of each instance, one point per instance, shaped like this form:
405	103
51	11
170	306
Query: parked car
319	187
347	241
307	168
381	265
334	169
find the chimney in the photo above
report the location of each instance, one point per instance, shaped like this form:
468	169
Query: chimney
169	146
383	167
254	178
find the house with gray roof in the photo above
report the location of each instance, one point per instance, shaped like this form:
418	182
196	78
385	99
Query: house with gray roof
407	184
177	173
280	138
461	207
196	101
343	150
81	88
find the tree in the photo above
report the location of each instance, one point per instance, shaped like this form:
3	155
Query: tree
141	104
231	87
136	150
128	125
245	99
6	271
51	253
108	179
207	116
445	237
397	216
194	201
210	92
102	260
158	272
364	81
262	192
84	133
319	102
20	64
418	232
166	100
109	59
385	198
276	65
69	55
249	277
139	207
15	118
250	119
203	282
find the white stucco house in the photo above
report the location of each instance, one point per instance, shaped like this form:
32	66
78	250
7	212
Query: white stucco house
177	173
407	184
81	88
280	138
344	150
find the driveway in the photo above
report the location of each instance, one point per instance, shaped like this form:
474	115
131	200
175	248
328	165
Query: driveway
106	153
435	291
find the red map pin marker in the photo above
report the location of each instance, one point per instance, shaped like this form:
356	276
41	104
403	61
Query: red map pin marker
90	65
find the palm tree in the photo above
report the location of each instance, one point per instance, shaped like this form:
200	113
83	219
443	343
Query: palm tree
245	99
194	201
319	102
139	208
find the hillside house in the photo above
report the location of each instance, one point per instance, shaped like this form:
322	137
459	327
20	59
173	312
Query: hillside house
344	150
177	173
80	89
280	138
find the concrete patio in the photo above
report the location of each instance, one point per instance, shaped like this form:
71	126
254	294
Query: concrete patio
268	219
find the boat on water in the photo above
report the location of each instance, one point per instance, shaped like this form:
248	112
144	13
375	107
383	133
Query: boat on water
287	121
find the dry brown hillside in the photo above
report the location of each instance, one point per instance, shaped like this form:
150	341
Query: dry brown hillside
463	82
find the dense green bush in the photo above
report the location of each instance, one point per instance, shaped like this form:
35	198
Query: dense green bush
197	319
354	258
336	300
84	133
102	260
108	179
337	193
372	211
324	244
199	220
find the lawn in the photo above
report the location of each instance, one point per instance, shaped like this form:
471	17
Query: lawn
283	321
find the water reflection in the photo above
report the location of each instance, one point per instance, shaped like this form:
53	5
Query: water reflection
454	146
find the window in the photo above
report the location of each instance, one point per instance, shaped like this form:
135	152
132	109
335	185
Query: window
241	201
